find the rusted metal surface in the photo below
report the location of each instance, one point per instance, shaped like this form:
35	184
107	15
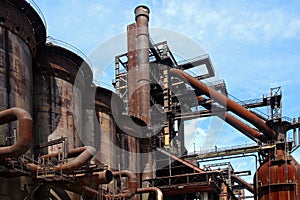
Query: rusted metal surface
201	60
85	184
228	103
244	128
239	180
234	122
103	177
108	102
196	168
59	83
86	154
72	153
20	18
142	47
188	189
21	31
78	189
131	182
278	178
25	137
130	130
132	70
108	108
158	193
79	161
15	79
82	184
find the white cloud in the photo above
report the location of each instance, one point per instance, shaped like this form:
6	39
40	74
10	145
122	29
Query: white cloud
293	29
226	28
248	23
203	133
98	9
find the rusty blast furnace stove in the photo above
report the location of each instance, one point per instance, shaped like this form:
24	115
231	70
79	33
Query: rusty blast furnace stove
162	93
64	137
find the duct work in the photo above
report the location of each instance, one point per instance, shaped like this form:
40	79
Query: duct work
157	191
244	183
86	154
234	122
64	137
85	184
228	103
132	184
25	137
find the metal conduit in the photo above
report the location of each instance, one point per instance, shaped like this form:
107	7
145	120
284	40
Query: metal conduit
244	183
82	181
71	153
79	161
25	138
142	47
234	122
180	160
78	189
226	102
158	192
87	153
132	184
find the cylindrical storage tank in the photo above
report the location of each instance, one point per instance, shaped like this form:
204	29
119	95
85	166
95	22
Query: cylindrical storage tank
278	179
108	108
59	84
21	32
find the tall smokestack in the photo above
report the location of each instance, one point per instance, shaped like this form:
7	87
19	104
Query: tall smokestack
142	47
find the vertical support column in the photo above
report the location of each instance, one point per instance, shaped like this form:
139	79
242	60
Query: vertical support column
298	132
167	105
117	71
167	98
276	103
294	134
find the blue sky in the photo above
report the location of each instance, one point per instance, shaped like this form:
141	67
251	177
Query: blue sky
254	45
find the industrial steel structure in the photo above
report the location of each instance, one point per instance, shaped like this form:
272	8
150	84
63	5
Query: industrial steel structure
76	140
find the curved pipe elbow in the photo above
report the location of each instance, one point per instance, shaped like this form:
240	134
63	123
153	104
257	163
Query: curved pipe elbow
79	161
87	153
132	183
25	138
158	192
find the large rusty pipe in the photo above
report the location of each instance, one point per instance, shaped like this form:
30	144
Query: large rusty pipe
244	128
132	184
25	138
158	192
87	152
103	177
181	160
234	122
78	189
83	181
226	102
79	161
97	178
71	153
249	187
142	46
